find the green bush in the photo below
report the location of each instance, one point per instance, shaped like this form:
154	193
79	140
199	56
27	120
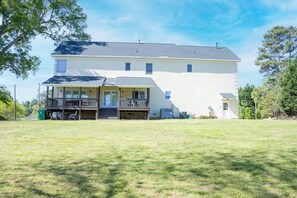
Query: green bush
248	113
207	117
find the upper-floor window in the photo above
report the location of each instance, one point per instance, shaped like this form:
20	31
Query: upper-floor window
189	68
149	68
61	66
128	66
167	95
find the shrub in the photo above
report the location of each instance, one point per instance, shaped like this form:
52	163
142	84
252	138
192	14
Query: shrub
207	117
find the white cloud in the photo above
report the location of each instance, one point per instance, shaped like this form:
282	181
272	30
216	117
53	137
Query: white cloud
281	4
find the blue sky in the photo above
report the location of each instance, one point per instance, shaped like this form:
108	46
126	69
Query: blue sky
236	24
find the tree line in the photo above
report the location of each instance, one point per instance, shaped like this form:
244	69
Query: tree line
277	61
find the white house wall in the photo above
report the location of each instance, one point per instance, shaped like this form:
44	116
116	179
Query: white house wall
195	92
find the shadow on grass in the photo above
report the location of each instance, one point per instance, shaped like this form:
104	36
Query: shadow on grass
223	174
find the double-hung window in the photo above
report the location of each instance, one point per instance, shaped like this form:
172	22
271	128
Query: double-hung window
149	68
138	95
84	94
61	66
128	66
167	95
189	68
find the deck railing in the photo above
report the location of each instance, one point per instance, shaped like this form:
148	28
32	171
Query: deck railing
72	102
134	103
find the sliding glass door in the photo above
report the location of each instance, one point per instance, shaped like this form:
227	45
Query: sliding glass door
110	99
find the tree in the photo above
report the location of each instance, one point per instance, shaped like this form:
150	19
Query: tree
279	47
7	110
4	95
288	101
278	50
267	105
246	102
23	20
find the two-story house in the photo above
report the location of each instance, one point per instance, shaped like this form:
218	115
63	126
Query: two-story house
137	80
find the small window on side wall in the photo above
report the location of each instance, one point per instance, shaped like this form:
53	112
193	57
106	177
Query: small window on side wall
149	68
128	66
167	95
61	66
189	68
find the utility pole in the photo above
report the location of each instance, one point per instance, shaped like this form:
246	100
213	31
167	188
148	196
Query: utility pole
39	104
15	102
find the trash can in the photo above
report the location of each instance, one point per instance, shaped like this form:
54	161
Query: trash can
41	114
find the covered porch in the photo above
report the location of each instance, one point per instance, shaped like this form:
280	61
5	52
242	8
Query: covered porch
133	97
74	94
91	96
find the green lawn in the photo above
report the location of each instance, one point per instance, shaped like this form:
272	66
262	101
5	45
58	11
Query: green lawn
163	158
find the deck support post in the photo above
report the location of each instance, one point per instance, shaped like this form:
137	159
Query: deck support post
97	115
63	114
79	114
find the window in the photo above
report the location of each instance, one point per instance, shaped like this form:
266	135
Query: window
189	68
138	95
149	68
75	94
128	66
84	94
61	66
167	95
68	94
110	99
225	106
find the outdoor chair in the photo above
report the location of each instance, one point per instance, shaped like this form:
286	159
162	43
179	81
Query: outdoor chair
72	116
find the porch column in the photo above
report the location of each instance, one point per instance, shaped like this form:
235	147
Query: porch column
80	102
52	95
148	97
97	102
119	103
47	91
79	114
63	97
148	102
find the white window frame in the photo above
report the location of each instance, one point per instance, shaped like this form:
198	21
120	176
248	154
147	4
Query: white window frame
84	94
76	95
68	94
110	106
58	69
146	69
167	95
133	94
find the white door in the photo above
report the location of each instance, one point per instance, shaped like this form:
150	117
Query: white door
110	99
225	110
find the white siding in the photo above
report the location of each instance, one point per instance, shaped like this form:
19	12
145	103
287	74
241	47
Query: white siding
194	92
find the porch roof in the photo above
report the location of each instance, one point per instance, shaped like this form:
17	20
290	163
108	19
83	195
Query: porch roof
228	96
134	82
75	81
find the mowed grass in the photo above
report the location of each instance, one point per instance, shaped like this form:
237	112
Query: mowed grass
163	158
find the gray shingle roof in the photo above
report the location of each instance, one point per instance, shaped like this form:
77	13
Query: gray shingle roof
134	82
75	80
143	50
228	95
